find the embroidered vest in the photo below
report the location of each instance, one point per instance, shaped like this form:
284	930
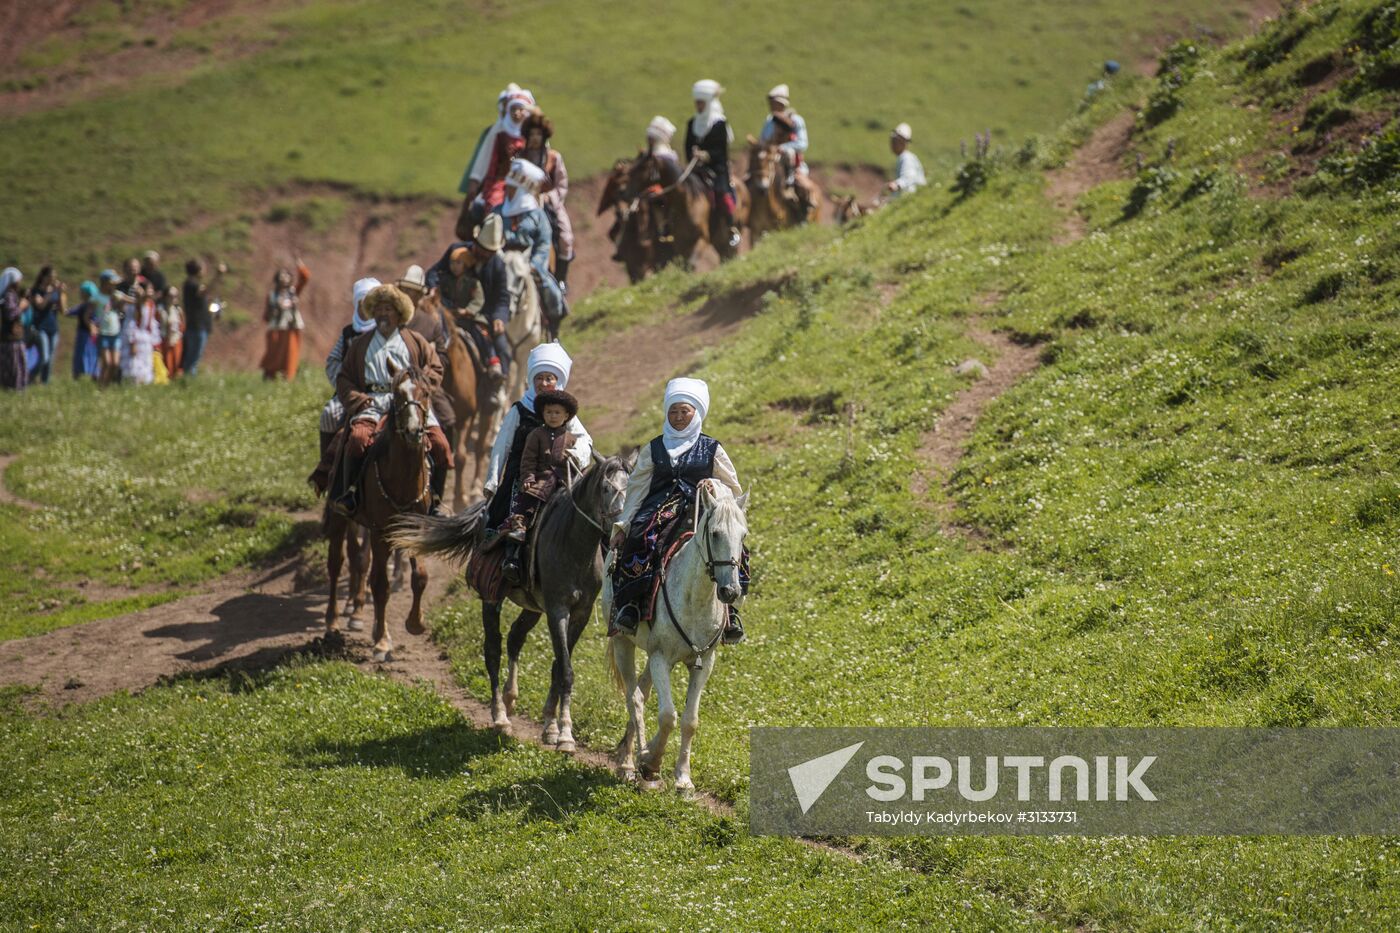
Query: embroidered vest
690	468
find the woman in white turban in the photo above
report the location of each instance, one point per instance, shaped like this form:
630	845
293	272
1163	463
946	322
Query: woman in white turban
660	496
707	138
547	368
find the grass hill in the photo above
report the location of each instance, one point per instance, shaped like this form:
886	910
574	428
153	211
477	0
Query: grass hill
187	125
1187	514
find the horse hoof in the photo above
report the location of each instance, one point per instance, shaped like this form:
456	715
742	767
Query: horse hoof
685	791
415	627
628	775
501	725
354	625
650	780
566	746
549	737
383	657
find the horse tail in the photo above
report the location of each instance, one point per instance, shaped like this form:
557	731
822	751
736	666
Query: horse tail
613	669
454	538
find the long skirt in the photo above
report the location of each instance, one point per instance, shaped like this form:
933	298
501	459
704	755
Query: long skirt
283	354
171	351
649	538
14	369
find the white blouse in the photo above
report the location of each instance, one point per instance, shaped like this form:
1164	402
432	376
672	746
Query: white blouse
639	483
582	451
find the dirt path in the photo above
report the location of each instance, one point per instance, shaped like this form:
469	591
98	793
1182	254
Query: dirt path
944	445
1100	159
7	497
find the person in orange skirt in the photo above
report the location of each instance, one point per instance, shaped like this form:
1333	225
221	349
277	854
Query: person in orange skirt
284	323
172	329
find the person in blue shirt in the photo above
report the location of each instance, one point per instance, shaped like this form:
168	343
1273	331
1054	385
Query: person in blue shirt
786	129
527	228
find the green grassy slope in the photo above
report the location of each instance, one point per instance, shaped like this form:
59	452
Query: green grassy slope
1194	501
390	97
152	489
1193	505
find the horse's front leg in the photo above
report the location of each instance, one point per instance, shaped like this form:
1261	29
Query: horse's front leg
665	717
459	457
491	650
414	622
335	556
379	586
690	720
514	642
357	543
561	679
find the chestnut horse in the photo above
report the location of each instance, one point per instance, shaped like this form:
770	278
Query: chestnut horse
769	208
394	483
663	211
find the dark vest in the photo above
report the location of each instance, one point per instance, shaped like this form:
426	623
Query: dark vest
510	473
684	475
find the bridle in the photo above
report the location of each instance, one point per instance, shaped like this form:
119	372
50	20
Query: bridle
416	437
710	565
569	469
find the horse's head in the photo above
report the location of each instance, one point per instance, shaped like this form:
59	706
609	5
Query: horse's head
764	162
408	410
721	529
612	195
605	487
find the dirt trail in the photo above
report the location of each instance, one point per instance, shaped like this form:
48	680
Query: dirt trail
944	445
1098	160
7	497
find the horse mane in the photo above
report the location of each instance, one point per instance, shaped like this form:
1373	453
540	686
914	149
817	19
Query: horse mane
557	510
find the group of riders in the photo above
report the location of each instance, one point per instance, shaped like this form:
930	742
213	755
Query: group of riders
514	191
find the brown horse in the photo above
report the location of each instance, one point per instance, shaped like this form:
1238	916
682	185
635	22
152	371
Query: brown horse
473	404
769	208
344	536
664	212
395	482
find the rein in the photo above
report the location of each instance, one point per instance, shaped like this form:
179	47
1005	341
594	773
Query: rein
569	491
710	565
415	437
656	192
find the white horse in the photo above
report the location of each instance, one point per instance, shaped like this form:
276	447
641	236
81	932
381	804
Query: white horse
700	583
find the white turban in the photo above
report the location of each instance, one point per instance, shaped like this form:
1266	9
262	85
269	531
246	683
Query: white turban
661	129
527	177
545	358
708	91
695	393
359	291
10	276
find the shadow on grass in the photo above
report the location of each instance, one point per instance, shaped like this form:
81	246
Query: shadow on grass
551	796
439	752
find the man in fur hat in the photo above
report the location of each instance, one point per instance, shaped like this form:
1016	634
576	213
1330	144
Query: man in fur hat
364	388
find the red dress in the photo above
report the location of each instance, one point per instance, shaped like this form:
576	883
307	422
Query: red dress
493	186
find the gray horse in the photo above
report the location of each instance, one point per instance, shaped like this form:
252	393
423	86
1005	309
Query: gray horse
565	576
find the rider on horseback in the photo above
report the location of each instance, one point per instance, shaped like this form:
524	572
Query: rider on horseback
429	325
707	138
527	228
538	131
786	129
470	280
548	370
486	176
363	385
544	461
660	132
661	502
333	414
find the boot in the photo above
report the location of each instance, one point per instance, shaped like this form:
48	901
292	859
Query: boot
733	628
515	528
561	273
626	619
494	370
437	482
510	566
347	503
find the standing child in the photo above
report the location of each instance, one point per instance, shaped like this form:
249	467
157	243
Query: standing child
109	329
172	330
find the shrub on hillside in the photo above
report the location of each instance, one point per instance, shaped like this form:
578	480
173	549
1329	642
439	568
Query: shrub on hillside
1151	185
1175	70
